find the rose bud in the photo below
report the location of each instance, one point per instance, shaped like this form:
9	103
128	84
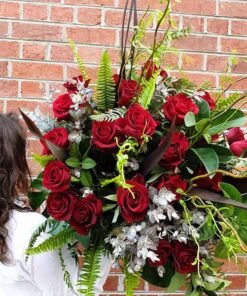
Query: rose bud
86	213
134	201
60	205
61	107
184	255
57	136
163	251
178	106
207	97
128	90
239	148
150	68
235	134
56	176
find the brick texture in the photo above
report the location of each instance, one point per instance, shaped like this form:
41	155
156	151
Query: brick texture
35	58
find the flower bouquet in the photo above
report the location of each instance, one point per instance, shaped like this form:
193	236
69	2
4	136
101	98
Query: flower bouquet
144	167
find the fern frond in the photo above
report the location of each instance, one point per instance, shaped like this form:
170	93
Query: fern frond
78	59
225	103
66	274
148	91
105	84
42	160
110	115
53	243
131	281
90	271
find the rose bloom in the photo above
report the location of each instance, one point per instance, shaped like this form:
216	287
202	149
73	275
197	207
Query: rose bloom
239	148
57	136
56	176
151	68
133	202
104	133
207	97
178	106
128	90
163	251
61	107
175	154
137	122
86	213
209	183
235	134
184	255
172	183
60	205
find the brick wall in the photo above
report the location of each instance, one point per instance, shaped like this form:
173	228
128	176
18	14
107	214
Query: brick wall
35	58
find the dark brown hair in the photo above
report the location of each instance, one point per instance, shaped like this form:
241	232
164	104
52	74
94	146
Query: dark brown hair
14	172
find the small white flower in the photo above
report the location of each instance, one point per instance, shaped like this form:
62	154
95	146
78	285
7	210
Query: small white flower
161	271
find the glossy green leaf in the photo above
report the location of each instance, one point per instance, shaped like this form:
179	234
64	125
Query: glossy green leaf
190	119
88	163
208	158
37	198
108	207
73	162
86	178
176	282
204	109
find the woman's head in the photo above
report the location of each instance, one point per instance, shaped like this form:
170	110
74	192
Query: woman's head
13	171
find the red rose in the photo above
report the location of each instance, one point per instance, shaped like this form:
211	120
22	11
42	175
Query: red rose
209	183
175	154
172	183
57	136
104	133
207	97
151	68
239	148
235	134
71	86
56	176
137	122
86	213
178	106
133	202
163	251
61	107
60	205
184	256
128	90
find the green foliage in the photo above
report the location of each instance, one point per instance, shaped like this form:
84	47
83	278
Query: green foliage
53	243
37	198
208	158
105	84
88	163
73	162
78	59
43	160
86	178
131	281
90	271
225	103
111	115
190	119
177	281
148	91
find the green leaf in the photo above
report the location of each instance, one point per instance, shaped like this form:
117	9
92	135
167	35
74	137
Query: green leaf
224	154
105	84
88	163
203	125
112	197
228	119
86	178
84	240
37	198
116	215
204	110
74	151
108	207
73	162
43	160
230	191
207	229
190	119
208	158
148	91
176	282
37	183
78	59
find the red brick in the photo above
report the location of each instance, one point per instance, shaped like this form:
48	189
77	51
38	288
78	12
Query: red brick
89	16
9	9
34	51
3	29
199	7
111	284
237	45
113	18
14	105
73	70
37	71
9	49
90	54
30	89
47	1
217	63
35	12
37	31
192	62
241	85
91	35
1	106
238	282
232	9
114	55
34	146
34	167
145	4
239	28
231	267
8	88
61	53
62	14
3	69
198	43
170	60
196	24
197	78
241	68
91	2
218	26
